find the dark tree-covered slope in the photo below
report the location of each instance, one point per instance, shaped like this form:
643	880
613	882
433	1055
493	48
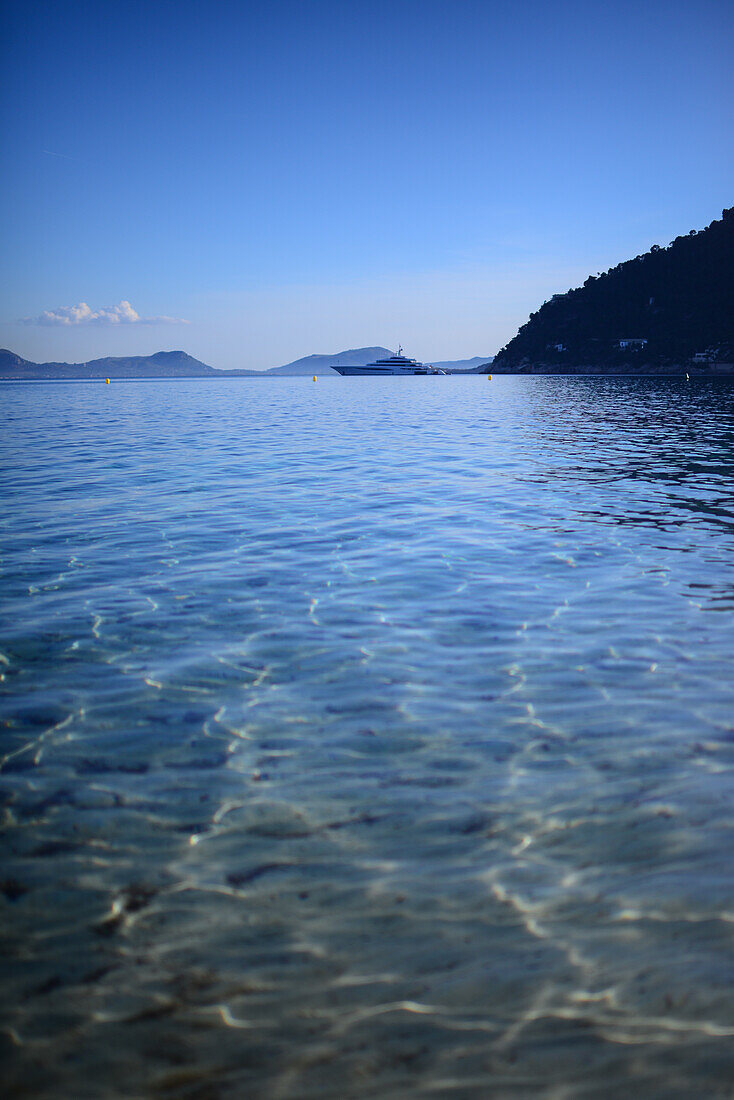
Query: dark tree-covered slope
679	299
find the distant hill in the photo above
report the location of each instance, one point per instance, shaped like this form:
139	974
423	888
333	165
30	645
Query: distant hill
669	307
164	364
173	364
322	364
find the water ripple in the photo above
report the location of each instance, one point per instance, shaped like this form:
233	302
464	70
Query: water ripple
374	741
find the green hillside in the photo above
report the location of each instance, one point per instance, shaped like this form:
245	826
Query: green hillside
675	305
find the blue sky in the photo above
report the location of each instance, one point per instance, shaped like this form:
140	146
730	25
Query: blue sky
295	177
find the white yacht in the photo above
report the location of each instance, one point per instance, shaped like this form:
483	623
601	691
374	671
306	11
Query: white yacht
393	364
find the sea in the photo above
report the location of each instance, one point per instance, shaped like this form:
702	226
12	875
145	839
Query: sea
368	739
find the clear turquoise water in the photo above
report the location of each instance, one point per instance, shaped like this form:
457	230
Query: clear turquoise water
368	739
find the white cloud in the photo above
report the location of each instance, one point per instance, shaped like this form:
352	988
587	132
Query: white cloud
122	314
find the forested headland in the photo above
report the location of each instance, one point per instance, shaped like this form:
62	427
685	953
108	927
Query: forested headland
667	309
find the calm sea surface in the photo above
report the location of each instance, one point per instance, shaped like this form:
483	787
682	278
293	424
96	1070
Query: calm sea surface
368	739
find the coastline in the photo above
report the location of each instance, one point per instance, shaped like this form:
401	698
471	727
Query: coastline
631	370
648	370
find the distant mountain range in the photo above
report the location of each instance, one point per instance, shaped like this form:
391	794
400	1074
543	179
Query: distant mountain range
177	364
666	309
164	364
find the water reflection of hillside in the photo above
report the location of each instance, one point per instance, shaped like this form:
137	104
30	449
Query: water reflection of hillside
643	454
666	445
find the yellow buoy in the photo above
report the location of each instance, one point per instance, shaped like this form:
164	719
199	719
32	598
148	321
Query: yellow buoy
107	381
314	378
489	376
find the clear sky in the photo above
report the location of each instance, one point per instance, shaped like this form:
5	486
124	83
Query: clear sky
295	177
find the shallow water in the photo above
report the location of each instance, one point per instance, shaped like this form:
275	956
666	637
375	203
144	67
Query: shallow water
368	739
